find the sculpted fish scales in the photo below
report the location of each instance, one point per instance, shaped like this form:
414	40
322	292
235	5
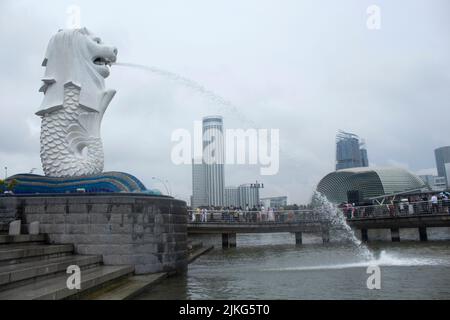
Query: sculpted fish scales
61	150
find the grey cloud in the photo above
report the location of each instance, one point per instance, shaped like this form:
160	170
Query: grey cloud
308	68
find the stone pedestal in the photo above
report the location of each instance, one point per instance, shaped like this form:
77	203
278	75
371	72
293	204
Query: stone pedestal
148	232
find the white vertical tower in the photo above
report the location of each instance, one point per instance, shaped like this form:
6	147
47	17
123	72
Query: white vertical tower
213	159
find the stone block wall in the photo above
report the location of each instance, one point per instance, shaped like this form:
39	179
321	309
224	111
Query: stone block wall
7	211
148	232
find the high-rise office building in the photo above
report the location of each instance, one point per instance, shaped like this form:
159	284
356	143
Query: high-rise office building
442	156
350	152
363	152
199	197
447	174
208	181
214	159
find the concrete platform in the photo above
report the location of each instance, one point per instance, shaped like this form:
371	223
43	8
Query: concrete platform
31	252
56	289
7	239
13	275
127	288
198	252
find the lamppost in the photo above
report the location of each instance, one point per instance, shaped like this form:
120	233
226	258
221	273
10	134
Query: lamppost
164	183
6	172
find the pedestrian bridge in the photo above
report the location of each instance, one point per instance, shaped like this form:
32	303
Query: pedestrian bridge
228	225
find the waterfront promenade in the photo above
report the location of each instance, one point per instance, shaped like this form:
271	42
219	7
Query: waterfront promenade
229	223
389	218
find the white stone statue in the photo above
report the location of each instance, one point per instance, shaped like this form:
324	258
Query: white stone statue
75	100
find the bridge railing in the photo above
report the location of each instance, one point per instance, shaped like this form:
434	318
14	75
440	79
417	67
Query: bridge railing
252	217
397	209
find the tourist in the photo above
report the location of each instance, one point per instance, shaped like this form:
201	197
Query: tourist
271	215
254	214
425	203
263	214
434	204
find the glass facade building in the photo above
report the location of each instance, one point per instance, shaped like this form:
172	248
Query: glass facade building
442	156
350	152
208	176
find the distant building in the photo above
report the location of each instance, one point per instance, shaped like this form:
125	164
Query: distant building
364	158
231	197
199	196
434	182
208	180
447	174
274	202
248	195
350	152
442	156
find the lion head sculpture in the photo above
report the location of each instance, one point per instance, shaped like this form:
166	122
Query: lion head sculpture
77	57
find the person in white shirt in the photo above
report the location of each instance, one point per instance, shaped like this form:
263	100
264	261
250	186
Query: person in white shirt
434	204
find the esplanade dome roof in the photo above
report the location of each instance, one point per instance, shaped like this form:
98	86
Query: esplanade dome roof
371	181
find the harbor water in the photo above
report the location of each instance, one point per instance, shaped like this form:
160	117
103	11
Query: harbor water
271	266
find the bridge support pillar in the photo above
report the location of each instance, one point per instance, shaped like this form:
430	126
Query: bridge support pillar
298	238
326	236
423	234
364	235
395	234
228	240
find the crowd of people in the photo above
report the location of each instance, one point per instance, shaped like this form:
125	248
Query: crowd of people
425	203
249	214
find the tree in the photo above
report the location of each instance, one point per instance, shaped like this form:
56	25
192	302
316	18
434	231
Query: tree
6	185
12	184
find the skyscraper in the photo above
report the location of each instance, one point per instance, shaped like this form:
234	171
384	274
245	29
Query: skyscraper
442	156
363	151
199	197
208	181
214	159
350	153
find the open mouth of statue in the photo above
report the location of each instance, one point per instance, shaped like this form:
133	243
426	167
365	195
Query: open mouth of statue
102	61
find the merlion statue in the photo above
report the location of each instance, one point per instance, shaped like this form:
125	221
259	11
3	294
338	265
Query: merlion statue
75	99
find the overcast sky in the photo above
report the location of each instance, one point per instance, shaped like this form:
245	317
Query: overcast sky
308	68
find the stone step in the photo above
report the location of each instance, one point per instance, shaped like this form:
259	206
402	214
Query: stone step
192	256
55	288
7	239
192	246
21	273
18	253
127	288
